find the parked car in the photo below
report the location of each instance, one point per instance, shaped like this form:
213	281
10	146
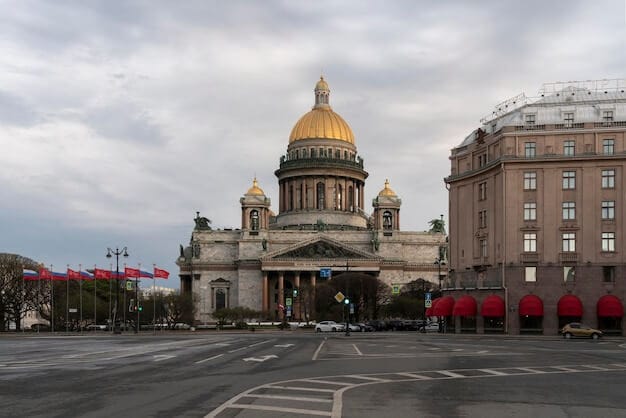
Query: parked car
377	325
354	327
329	326
576	329
96	327
430	327
364	327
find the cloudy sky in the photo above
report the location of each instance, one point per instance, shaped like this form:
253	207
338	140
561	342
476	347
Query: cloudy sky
120	120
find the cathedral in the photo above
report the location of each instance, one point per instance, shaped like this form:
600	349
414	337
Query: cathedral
274	262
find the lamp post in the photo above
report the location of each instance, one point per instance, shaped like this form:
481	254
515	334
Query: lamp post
116	253
440	262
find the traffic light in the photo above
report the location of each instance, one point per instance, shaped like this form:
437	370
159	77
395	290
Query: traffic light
295	292
140	308
346	301
131	305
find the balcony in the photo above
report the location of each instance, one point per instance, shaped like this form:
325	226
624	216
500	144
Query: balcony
568	257
529	257
609	124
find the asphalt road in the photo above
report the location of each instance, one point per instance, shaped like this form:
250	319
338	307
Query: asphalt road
300	374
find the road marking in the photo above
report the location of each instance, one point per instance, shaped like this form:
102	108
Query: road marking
449	374
325	382
261	359
357	350
299	388
284	345
210	358
493	372
529	370
565	369
414	376
376	379
161	357
259	343
278	409
318	350
290	398
237	349
596	367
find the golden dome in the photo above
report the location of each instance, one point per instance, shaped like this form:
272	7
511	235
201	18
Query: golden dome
387	190
255	190
321	122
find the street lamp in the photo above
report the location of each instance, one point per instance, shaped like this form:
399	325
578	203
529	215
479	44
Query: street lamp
440	262
117	253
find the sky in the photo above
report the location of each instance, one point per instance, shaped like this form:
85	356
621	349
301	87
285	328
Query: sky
120	120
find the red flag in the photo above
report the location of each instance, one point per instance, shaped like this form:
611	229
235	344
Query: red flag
161	274
101	274
131	272
45	274
71	274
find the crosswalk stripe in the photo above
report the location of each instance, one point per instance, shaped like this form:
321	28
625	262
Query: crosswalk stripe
493	372
414	376
448	373
290	398
279	409
303	389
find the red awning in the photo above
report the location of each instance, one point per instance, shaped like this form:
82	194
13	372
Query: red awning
429	311
493	306
569	305
610	306
443	306
530	305
465	306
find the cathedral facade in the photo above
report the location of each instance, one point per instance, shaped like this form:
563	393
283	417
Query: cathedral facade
322	229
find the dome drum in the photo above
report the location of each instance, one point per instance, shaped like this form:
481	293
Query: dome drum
332	220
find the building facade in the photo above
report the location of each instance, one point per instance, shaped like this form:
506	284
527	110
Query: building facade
536	200
322	227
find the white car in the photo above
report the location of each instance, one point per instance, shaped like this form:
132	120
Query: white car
326	326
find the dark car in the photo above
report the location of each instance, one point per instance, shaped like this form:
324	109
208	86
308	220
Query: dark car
364	327
377	325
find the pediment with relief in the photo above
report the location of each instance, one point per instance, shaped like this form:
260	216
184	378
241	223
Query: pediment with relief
320	248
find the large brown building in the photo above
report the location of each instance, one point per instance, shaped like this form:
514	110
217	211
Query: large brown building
537	209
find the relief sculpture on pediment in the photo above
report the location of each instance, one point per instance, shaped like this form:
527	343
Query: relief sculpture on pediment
320	250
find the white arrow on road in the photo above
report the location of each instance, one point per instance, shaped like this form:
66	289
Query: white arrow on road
284	345
260	359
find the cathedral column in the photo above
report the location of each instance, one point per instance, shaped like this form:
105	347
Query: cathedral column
296	300
313	282
266	305
281	294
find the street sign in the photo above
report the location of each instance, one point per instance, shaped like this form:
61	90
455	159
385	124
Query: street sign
289	311
352	309
73	310
325	272
395	289
428	303
129	285
288	301
339	297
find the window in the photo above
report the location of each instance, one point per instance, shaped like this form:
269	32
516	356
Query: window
530	119
608	274
530	211
608	179
312	152
569	180
607	117
608	241
482	191
387	220
569	148
608	146
569	273
320	196
569	211
568	118
530	149
530	180
530	274
482	219
608	209
254	220
482	160
530	243
569	242
483	248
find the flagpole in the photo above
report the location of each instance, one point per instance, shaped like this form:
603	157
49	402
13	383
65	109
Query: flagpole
137	298
80	291
67	302
110	284
39	308
51	301
95	315
124	300
153	299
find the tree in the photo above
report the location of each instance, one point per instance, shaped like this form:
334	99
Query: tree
16	296
180	308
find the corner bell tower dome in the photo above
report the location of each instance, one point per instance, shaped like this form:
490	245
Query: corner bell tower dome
321	122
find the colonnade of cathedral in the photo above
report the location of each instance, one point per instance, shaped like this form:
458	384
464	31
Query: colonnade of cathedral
322	193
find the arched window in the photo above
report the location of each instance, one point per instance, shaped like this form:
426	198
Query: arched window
345	155
320	195
297	154
254	220
312	152
220	299
387	220
337	154
303	152
339	197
